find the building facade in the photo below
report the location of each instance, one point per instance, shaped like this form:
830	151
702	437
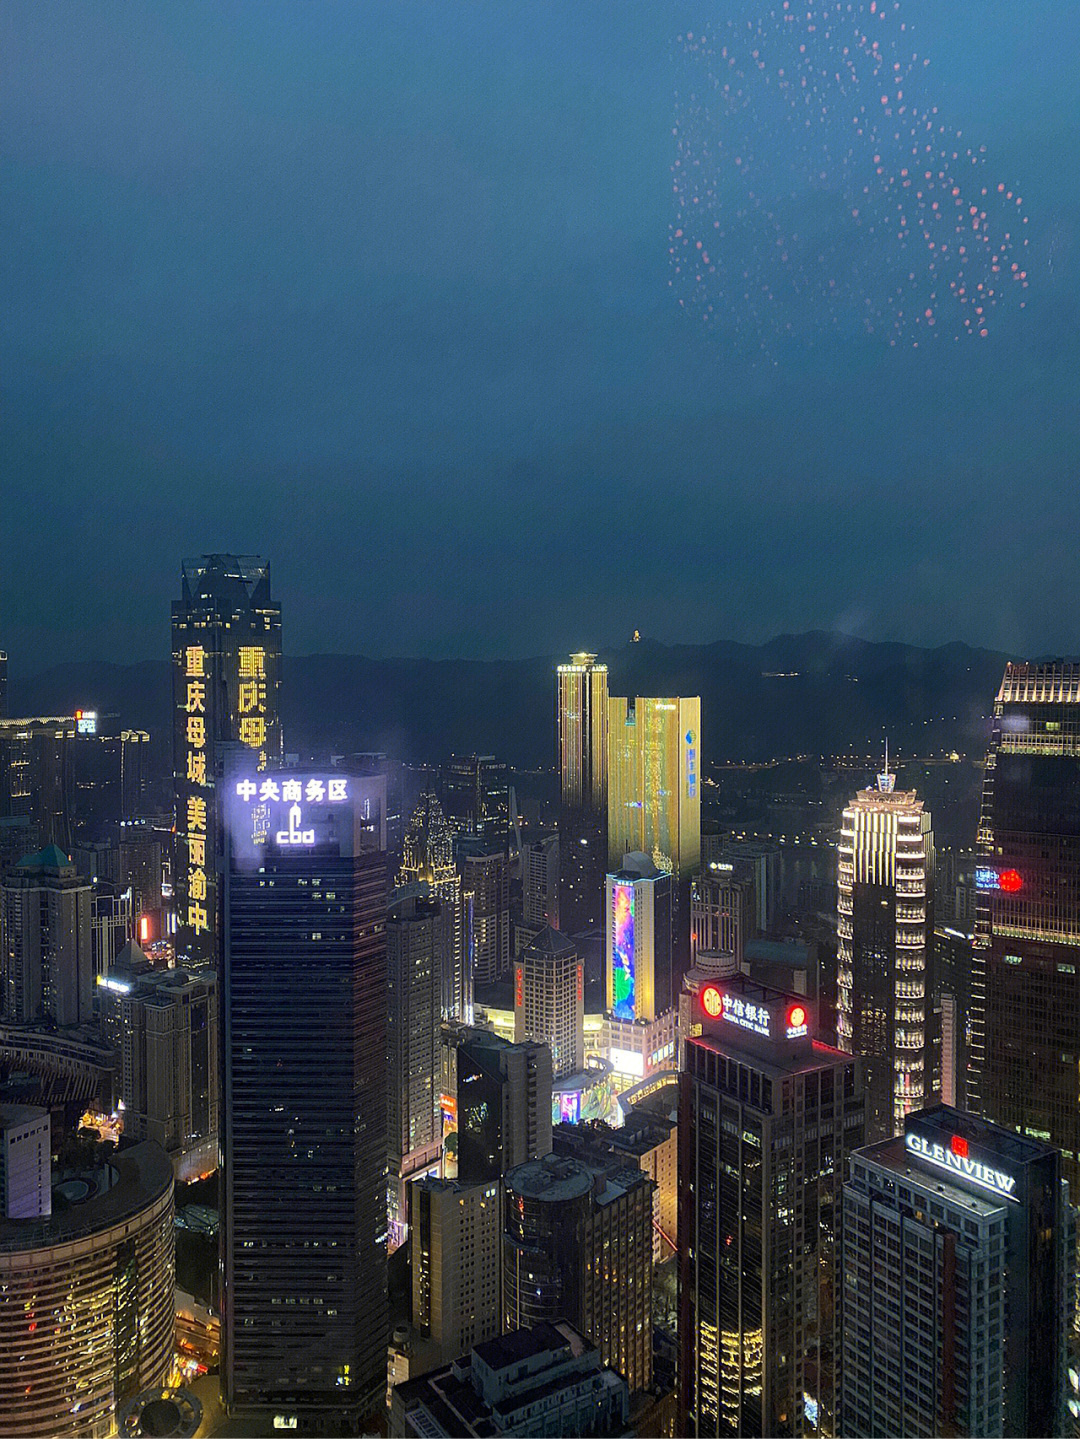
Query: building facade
767	1118
549	1000
87	1313
226	670
721	913
959	1275
456	1265
503	1104
485	906
46	941
416	940
577	1245
539	888
304	1105
1024	1059
164	1026
581	718
654	794
428	860
475	792
885	930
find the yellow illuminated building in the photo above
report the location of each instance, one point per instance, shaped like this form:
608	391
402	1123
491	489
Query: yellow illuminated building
226	642
583	729
654	789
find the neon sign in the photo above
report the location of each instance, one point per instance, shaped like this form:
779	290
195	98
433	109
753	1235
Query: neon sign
198	916
796	1022
754	1017
294	792
294	834
86	722
957	1160
1008	880
712	1001
691	766
624	997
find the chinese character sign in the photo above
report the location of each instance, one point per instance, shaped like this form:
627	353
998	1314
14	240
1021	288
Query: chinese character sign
290	812
195	736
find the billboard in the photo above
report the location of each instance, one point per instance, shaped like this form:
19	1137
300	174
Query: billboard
624	997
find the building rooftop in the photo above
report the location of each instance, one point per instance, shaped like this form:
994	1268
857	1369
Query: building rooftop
558	1179
51	857
891	1155
550	943
95	1198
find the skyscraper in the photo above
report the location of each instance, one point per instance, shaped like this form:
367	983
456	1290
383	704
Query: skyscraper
539	888
476	797
428	860
164	1026
304	1104
226	664
549	1000
639	1011
485	907
416	939
885	931
958	1280
456	1263
654	797
721	913
503	1104
45	941
767	1118
1024	1055
582	737
577	1245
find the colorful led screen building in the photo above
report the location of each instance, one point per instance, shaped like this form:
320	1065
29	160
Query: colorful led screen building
654	797
623	1004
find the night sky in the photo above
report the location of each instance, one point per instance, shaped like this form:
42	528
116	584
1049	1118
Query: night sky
383	292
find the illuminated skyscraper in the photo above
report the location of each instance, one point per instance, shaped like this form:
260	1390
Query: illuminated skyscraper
226	659
958	1272
638	1035
304	1105
721	913
885	937
654	797
767	1119
582	723
428	860
485	907
476	797
503	1104
1024	1054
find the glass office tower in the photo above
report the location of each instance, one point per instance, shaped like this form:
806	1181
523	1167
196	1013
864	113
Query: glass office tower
304	1105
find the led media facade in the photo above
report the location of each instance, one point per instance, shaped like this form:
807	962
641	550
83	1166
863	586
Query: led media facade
623	967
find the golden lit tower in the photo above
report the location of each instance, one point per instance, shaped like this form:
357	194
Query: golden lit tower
582	719
226	659
654	795
885	929
428	860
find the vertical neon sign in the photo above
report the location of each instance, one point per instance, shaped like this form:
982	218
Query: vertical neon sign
624	998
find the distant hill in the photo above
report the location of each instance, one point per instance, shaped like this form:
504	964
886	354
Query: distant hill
815	693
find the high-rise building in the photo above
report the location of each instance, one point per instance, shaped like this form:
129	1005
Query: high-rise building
456	1264
654	795
758	865
582	729
485	907
428	860
539	888
416	939
538	1381
549	1000
638	1034
33	781
958	1282
304	1104
226	667
164	1026
767	1118
87	1316
25	1162
112	923
503	1104
577	1245
721	913
637	940
1024	1057
45	941
476	797
885	946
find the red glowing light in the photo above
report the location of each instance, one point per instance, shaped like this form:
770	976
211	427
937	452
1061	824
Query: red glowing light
796	1016
712	1001
1010	881
959	1146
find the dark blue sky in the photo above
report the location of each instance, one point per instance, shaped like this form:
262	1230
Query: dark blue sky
381	290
